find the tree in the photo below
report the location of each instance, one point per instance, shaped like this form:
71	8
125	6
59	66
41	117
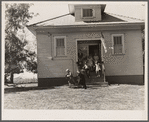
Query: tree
17	16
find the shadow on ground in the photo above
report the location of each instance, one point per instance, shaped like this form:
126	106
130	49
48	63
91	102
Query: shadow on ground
88	87
20	88
15	88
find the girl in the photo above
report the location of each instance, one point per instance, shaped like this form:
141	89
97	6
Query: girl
97	65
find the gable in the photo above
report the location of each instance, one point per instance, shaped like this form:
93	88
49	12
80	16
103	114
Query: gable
88	12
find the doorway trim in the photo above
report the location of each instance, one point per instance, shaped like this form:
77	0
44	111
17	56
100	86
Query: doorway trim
77	40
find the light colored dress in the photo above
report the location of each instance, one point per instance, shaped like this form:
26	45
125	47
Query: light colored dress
97	67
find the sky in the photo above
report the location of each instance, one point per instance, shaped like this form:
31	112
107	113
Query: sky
50	9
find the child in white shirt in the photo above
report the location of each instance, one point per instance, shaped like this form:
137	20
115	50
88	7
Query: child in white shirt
97	65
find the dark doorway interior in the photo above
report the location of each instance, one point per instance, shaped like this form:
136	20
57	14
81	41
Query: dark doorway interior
95	49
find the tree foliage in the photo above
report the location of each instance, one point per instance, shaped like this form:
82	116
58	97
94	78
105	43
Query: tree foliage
17	16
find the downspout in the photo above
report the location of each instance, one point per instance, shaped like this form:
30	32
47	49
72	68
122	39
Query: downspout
103	65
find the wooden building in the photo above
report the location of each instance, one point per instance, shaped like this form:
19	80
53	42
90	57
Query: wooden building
60	38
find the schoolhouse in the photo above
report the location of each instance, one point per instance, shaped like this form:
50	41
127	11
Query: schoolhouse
116	39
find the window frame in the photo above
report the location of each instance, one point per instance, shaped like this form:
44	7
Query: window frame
123	47
55	45
87	17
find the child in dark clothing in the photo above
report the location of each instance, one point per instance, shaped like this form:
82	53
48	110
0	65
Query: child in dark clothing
81	79
79	64
87	70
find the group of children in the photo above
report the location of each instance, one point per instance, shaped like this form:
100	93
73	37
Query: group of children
85	67
80	78
91	65
82	70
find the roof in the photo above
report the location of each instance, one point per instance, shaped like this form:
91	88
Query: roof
68	19
72	7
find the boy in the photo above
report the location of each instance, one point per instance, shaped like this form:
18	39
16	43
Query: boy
70	78
87	70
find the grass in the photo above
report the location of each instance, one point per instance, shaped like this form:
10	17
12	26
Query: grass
114	97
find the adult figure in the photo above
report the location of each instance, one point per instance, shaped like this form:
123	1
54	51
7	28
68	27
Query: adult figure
80	55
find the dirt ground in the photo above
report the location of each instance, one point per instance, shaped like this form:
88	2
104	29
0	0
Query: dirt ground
114	97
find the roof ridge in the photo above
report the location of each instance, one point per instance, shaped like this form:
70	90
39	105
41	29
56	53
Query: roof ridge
125	16
49	19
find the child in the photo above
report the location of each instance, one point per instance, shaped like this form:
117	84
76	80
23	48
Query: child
97	65
90	62
96	58
87	70
70	78
81	79
79	64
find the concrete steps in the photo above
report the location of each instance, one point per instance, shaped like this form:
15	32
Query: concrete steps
95	81
98	84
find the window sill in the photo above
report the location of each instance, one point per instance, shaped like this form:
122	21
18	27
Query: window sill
60	56
118	54
88	17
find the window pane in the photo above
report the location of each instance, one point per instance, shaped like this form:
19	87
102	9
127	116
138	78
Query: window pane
117	40
118	47
87	12
60	51
60	42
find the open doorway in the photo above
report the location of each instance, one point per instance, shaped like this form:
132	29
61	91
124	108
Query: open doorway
89	48
95	49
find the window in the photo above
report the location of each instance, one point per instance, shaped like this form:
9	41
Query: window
118	43
60	46
87	12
